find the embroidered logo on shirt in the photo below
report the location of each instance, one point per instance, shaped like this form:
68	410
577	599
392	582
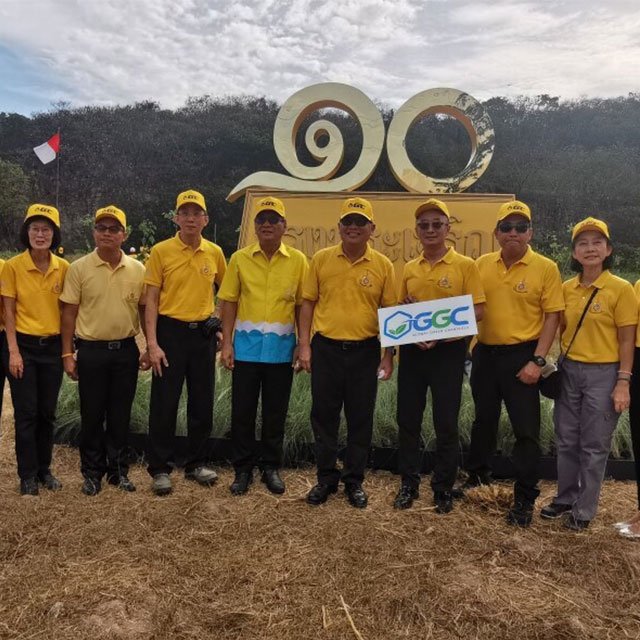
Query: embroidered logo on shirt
521	287
444	283
56	288
596	307
364	281
206	270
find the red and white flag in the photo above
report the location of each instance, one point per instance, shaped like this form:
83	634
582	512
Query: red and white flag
48	151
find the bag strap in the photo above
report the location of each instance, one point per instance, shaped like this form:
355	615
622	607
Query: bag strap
584	313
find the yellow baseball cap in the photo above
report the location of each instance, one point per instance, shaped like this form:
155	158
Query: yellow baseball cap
191	196
590	224
515	207
112	212
430	205
44	211
269	204
359	206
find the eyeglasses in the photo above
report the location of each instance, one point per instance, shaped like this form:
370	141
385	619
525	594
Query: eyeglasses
436	225
268	216
108	228
355	219
507	227
44	231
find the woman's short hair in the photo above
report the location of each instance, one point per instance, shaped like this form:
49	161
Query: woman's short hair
24	232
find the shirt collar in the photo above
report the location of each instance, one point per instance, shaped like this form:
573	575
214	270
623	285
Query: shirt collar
184	246
282	249
98	261
31	265
367	255
447	258
599	283
526	258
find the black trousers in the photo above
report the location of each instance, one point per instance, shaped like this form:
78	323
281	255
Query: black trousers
191	358
3	339
249	380
634	417
34	398
440	369
493	380
107	385
343	375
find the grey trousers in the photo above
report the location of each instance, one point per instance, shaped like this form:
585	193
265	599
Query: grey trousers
584	420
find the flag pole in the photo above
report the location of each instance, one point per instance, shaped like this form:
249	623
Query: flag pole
58	174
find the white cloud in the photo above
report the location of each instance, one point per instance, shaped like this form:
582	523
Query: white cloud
119	51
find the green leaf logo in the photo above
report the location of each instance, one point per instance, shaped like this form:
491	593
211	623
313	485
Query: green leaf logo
399	329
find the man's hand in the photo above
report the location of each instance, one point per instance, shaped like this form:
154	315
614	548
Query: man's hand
386	365
227	356
70	367
143	362
16	365
425	346
304	357
530	373
621	396
157	359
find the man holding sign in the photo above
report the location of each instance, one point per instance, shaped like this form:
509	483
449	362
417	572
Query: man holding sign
440	272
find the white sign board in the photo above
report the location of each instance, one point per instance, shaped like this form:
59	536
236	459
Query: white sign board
425	321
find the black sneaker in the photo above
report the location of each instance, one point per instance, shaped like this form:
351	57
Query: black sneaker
320	493
554	510
29	487
571	522
443	501
241	482
122	482
405	497
50	482
520	514
91	487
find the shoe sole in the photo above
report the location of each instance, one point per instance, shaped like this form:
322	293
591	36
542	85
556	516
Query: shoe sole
163	492
317	503
202	483
402	507
277	491
545	516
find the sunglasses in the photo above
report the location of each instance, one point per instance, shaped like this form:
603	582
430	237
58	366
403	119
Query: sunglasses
507	227
268	216
111	228
436	225
355	219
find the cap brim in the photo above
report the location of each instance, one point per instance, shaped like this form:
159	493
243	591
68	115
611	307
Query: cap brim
355	213
590	227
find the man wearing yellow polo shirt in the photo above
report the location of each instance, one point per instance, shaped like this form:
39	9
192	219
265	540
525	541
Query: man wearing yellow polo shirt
3	339
261	294
102	299
440	272
520	319
182	275
346	286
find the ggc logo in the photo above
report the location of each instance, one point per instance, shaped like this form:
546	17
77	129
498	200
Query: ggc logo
400	323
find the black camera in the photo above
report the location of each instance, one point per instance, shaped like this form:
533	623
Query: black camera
211	326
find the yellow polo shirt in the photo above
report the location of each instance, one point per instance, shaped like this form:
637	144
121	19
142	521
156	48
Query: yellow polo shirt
348	295
615	305
107	298
36	293
636	289
1	305
453	275
517	298
267	292
186	278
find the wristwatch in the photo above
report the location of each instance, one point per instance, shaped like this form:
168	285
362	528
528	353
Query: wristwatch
539	360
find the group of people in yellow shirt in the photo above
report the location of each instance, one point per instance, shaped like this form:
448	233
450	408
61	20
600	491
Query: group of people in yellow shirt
280	314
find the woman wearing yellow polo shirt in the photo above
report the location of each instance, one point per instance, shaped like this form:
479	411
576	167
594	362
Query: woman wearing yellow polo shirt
596	373
30	285
2	341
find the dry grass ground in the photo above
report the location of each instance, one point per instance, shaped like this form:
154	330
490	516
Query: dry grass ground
202	564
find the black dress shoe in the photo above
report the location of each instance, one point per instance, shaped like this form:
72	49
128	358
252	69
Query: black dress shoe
50	482
475	480
574	524
122	482
356	496
272	479
241	482
443	501
320	493
29	487
520	514
91	487
405	497
554	510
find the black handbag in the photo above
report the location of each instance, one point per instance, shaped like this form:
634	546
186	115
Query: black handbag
551	385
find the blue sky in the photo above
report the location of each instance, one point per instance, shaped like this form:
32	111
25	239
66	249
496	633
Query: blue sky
123	51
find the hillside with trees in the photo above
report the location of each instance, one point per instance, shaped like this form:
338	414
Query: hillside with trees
566	159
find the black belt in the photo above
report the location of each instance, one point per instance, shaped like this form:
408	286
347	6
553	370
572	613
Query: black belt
111	345
41	341
196	324
346	345
508	348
